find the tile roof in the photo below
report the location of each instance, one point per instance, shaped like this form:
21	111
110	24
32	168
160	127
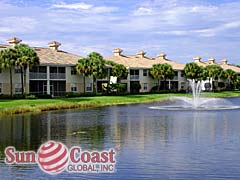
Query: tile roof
58	57
211	61
200	63
50	56
3	46
232	67
143	62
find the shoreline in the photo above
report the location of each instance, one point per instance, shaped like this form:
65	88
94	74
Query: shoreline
22	106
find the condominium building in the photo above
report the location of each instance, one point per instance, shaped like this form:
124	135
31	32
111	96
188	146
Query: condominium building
56	74
139	66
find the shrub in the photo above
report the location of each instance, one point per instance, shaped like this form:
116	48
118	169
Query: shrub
30	96
5	96
87	94
118	88
18	96
221	84
44	96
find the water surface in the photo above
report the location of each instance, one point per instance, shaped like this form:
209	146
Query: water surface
151	143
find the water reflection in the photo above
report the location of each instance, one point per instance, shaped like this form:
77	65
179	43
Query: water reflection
150	143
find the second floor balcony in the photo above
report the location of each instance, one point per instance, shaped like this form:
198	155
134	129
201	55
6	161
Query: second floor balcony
134	77
36	75
57	76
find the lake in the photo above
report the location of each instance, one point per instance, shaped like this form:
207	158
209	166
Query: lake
150	143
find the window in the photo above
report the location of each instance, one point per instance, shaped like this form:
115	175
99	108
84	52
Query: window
42	69
145	86
18	70
18	88
73	87
89	87
73	70
61	69
182	85
134	74
53	69
182	74
38	87
175	73
0	88
145	72
57	73
57	69
38	72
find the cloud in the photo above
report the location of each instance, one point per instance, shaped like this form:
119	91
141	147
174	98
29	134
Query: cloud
17	24
181	28
219	29
76	6
207	32
86	7
143	11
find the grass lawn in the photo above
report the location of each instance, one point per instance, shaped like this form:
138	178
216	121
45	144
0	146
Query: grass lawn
222	94
8	106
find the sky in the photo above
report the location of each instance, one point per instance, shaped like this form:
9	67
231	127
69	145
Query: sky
182	29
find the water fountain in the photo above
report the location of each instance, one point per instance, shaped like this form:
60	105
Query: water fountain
196	102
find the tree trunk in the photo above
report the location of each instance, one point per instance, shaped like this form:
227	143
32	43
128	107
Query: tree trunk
216	84
159	85
108	81
210	83
22	80
25	80
94	85
165	81
84	83
10	72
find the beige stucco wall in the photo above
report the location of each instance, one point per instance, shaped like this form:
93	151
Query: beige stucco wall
146	79
5	80
6	88
78	85
73	78
153	82
77	80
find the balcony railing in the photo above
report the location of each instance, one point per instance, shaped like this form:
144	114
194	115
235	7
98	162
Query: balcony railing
33	75
57	76
175	78
136	77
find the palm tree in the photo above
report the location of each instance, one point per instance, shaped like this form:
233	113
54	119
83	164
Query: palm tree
237	82
118	70
7	61
83	67
26	57
162	71
169	73
230	75
215	72
193	71
97	66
